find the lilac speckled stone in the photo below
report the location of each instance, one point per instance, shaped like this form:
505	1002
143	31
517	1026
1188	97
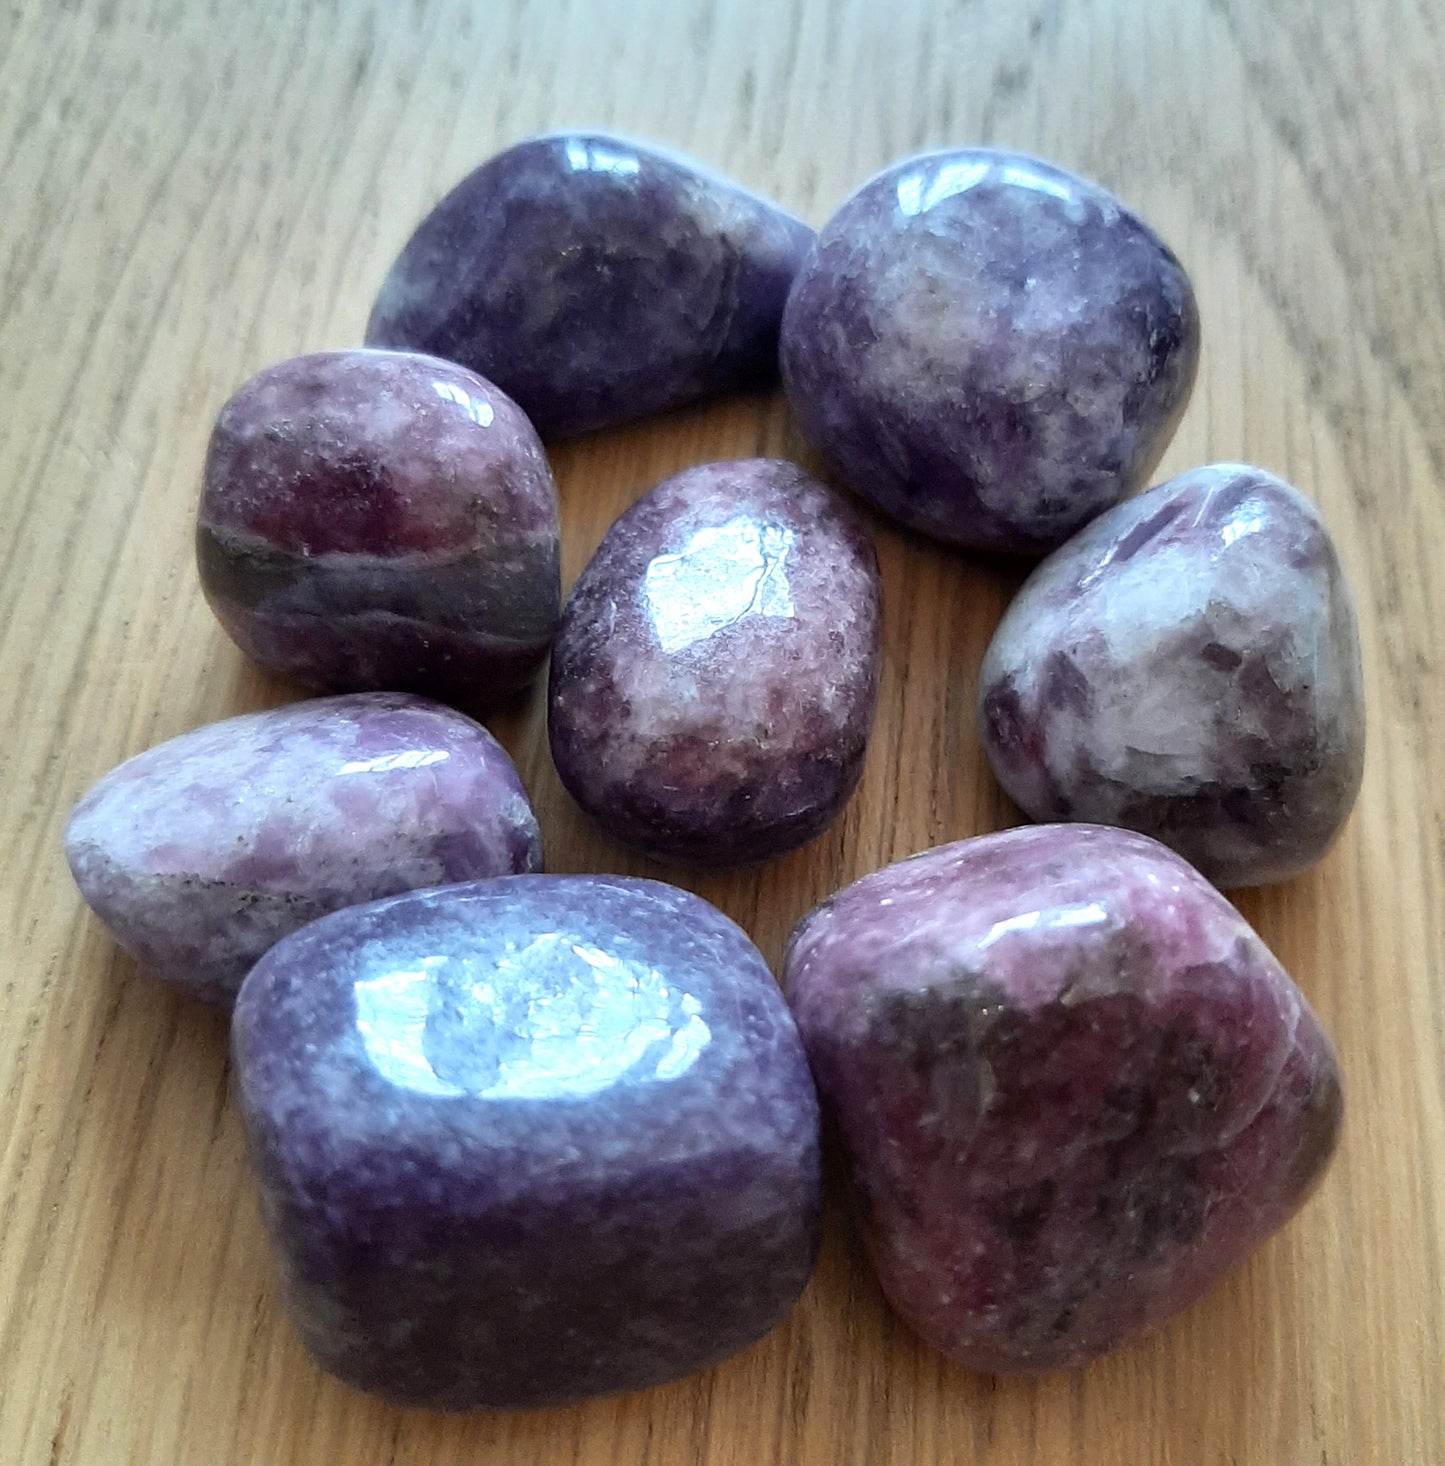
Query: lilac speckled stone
202	852
596	280
715	673
528	1140
1187	666
988	348
376	519
1075	1088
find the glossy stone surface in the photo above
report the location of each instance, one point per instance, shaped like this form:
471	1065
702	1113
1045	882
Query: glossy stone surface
988	348
715	673
1187	666
375	520
528	1140
1074	1086
201	853
596	280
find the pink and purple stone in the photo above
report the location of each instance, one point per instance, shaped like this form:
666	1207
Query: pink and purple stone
528	1140
988	348
596	280
381	520
1074	1087
716	669
203	852
1187	666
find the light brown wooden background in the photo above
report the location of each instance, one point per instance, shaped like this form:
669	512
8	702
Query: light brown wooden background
190	189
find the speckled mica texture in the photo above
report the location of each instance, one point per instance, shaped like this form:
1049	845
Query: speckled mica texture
716	670
988	348
1074	1086
528	1140
596	280
1187	666
201	853
381	520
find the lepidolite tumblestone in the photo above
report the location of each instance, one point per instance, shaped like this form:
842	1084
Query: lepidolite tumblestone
381	520
988	348
201	853
596	280
715	673
528	1140
1074	1086
1187	666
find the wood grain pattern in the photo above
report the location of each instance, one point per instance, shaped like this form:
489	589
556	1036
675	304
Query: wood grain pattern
192	189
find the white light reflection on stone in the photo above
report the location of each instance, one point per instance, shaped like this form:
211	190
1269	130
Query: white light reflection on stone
948	180
555	1018
1090	914
723	574
410	758
1236	529
597	158
476	408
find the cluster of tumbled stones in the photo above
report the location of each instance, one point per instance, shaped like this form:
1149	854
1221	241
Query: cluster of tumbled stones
522	1139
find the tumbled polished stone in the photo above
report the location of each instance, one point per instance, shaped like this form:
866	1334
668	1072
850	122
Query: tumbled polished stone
1074	1086
201	853
1187	666
375	520
528	1140
596	280
715	673
988	348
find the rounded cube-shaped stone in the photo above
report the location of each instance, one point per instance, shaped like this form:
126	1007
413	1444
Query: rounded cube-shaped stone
203	852
528	1140
1075	1088
716	670
988	348
1187	666
381	520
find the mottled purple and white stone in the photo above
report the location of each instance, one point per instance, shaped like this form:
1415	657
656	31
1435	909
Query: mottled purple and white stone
988	348
528	1140
381	520
715	673
1187	666
596	280
203	852
1074	1087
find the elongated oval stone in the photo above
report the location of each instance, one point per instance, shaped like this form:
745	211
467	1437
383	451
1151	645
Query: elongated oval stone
1074	1086
201	853
715	673
1187	666
528	1140
595	280
988	348
381	520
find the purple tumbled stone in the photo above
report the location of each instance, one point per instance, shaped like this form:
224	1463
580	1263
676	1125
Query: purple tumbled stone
988	348
595	280
1187	666
377	519
201	853
1074	1087
715	673
528	1140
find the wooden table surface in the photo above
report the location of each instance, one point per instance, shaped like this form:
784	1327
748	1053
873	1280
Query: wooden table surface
192	189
